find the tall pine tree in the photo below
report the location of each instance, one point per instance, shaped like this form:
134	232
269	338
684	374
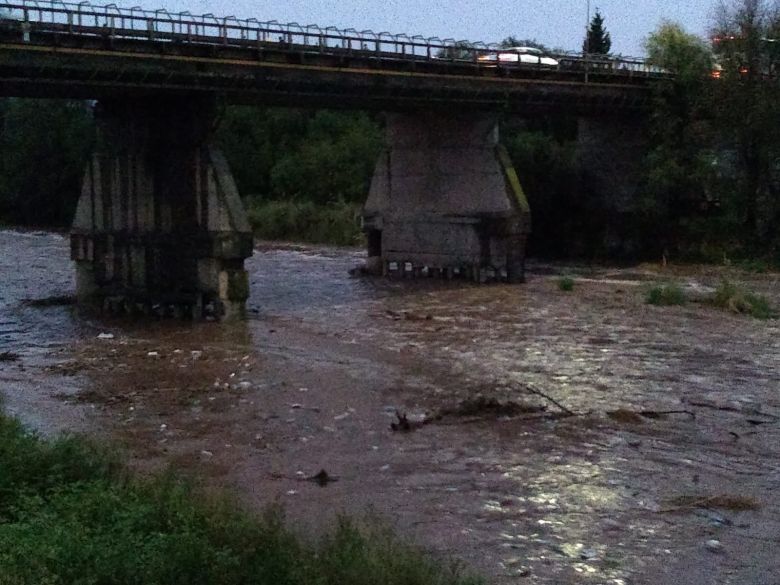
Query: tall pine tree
598	41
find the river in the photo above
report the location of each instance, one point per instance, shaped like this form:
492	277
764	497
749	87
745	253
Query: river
674	410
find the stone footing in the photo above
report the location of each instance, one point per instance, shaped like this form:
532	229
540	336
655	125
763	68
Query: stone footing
473	273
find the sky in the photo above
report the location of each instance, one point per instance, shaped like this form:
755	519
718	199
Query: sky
556	23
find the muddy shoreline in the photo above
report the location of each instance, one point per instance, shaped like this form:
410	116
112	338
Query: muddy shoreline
314	378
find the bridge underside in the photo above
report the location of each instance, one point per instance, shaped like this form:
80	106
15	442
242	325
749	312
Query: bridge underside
445	201
159	225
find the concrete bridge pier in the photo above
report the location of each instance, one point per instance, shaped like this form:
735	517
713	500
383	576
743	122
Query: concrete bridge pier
446	201
159	225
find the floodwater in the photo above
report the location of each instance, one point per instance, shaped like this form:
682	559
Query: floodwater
666	472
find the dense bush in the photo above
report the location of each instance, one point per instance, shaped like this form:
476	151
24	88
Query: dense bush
334	223
322	157
547	168
44	145
737	299
304	175
665	295
566	283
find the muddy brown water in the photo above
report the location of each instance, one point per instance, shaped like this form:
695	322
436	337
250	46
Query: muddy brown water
312	381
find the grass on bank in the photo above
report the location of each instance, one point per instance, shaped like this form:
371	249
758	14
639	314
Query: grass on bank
71	513
566	283
303	221
737	299
728	296
666	295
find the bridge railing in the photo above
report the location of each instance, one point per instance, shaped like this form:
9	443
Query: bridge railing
162	26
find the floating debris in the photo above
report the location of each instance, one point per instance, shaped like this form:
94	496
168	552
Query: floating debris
483	406
322	478
721	502
53	301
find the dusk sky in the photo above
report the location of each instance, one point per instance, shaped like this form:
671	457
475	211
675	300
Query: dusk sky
556	23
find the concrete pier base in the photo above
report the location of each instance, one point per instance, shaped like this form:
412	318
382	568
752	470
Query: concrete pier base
160	227
445	201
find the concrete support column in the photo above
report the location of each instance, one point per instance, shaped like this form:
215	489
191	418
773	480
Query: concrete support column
445	200
160	225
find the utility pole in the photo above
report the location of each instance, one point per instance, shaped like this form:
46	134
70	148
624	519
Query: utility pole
587	42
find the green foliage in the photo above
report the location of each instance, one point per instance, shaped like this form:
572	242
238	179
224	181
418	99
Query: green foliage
334	223
680	52
678	168
545	161
303	174
34	467
737	299
598	40
754	265
512	41
351	556
747	110
665	295
321	157
43	148
69	514
566	283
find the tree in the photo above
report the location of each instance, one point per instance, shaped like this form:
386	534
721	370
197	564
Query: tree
44	145
334	160
598	40
748	111
679	164
684	54
512	41
316	156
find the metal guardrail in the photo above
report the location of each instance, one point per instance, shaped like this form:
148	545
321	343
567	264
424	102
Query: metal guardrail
183	27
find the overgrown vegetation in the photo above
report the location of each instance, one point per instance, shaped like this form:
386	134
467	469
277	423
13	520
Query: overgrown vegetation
334	223
301	155
713	175
737	299
666	295
44	146
71	513
566	283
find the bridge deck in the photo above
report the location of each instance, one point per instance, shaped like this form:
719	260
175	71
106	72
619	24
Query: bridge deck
96	53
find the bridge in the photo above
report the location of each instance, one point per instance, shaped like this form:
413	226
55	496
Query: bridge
160	222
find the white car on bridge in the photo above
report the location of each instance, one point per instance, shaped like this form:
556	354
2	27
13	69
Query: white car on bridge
519	56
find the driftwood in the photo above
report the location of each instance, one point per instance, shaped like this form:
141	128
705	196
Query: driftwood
540	394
